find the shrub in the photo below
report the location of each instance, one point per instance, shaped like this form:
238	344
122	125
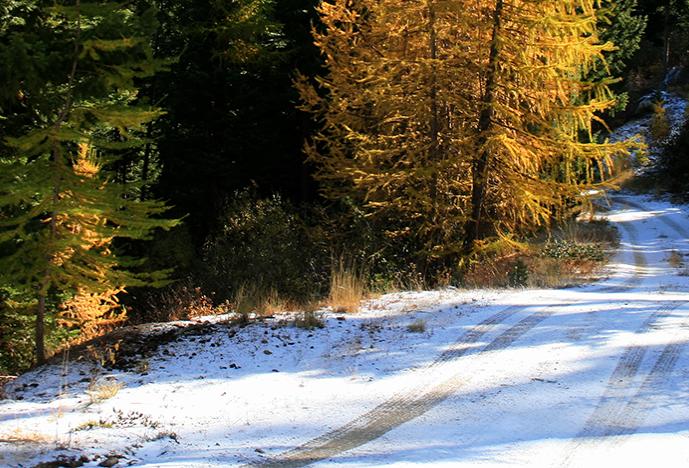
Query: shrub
518	275
417	326
660	125
675	259
566	249
263	243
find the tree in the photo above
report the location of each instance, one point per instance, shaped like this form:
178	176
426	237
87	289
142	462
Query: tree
622	25
667	27
231	119
455	120
60	212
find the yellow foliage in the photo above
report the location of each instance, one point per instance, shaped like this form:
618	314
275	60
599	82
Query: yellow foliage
92	313
436	114
92	310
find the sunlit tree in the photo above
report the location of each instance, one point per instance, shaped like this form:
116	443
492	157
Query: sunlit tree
459	120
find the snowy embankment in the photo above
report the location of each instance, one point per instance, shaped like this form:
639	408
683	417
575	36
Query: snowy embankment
675	109
589	376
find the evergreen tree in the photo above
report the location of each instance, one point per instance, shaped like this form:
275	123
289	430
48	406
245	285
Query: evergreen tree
60	212
458	120
622	25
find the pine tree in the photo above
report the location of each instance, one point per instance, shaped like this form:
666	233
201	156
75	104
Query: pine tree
622	25
458	120
60	212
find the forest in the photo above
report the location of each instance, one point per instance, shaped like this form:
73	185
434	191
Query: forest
162	159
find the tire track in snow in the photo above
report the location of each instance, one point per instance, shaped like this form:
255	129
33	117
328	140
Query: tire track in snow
412	403
668	222
618	414
639	263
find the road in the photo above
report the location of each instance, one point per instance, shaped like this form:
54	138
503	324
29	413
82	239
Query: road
632	328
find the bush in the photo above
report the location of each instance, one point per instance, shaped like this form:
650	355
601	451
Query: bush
264	244
566	249
660	125
518	277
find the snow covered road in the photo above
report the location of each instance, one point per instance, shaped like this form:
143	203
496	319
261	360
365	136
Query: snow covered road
577	377
558	375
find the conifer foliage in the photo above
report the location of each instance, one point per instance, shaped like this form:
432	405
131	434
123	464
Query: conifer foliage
60	212
459	120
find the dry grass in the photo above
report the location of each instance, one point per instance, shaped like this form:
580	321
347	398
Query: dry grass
417	326
542	272
347	288
180	301
20	436
93	424
578	260
660	125
101	391
490	272
676	259
588	232
4	380
309	320
558	273
256	300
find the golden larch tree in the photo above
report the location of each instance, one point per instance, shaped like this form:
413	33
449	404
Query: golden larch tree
456	120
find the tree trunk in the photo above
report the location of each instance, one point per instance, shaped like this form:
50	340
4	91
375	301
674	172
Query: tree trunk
434	151
666	37
481	165
40	329
146	163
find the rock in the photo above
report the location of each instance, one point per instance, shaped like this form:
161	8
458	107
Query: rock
64	461
646	104
110	461
673	76
267	352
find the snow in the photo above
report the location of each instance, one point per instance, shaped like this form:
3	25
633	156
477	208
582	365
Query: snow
675	107
237	395
577	377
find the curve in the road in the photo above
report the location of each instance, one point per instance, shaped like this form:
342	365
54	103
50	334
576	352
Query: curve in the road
408	405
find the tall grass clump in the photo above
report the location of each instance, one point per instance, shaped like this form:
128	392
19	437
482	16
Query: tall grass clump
347	287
